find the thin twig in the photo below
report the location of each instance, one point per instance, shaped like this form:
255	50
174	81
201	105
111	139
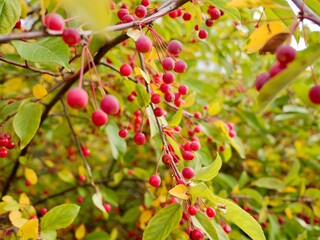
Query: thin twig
25	35
116	70
3	59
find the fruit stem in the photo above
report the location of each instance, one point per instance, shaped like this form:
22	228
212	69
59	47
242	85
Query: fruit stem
162	135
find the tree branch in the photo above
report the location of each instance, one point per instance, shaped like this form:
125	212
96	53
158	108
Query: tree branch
307	13
25	35
3	59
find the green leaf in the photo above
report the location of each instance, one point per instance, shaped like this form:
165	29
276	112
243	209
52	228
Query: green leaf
274	86
162	224
110	196
232	211
26	122
10	11
97	236
49	235
236	143
8	110
201	221
48	50
152	120
252	121
269	183
255	195
314	5
176	119
59	217
117	144
209	172
143	96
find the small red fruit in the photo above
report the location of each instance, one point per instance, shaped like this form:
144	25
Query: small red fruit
99	118
276	69
77	98
125	70
314	94
80	199
227	229
155	98
168	78
187	172
197	234
54	21
3	152
187	155
165	88
285	54
145	3
139	138
107	207
155	180
110	104
202	34
195	146
141	11
158	112
85	151
127	18
123	133
167	159
180	66
192	210
197	115
122	12
10	145
174	47
71	36
4	141
210	212
143	44
168	63
183	90
186	16
82	178
261	79
215	14
209	22
43	211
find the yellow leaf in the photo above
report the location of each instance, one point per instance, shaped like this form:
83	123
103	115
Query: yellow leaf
190	100
2	206
49	163
198	12
145	216
153	65
179	191
134	33
24	199
24	8
80	231
45	78
289	190
288	213
16	219
152	55
11	85
39	91
138	71
82	170
221	125
262	35
253	3
29	230
214	108
31	176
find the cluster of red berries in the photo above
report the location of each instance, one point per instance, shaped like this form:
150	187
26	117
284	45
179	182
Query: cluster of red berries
284	54
140	12
55	22
77	98
5	144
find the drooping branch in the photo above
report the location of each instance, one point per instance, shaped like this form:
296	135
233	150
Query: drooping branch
306	12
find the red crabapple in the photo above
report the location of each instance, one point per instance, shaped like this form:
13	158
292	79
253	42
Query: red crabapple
123	133
192	210
186	16
168	63
276	69
110	104
285	54
155	98
77	98
99	118
210	212
3	152
174	47
155	180
158	112
143	44
187	172
71	36
141	11
261	79
125	70
180	66
183	90
215	14
54	21
139	138
314	94
168	78
145	3
202	34
197	234
122	12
